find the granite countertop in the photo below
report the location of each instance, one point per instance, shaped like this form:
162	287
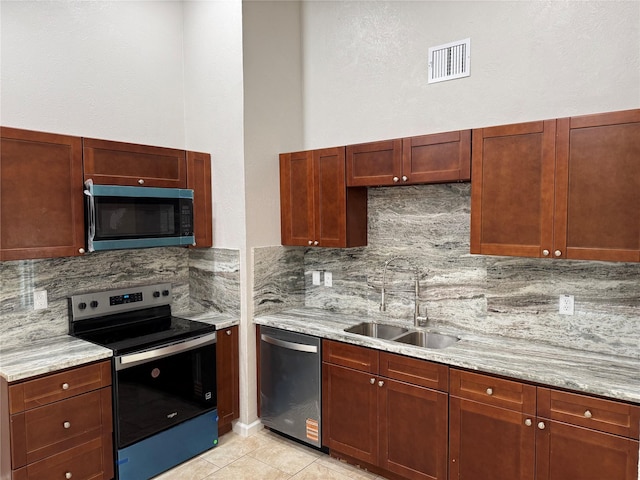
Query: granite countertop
582	371
52	354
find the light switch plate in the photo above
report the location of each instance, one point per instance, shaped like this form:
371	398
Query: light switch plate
328	279
39	299
315	275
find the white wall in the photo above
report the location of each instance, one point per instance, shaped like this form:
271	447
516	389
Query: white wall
97	69
365	65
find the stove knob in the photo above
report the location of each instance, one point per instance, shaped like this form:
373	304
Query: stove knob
165	293
156	294
82	305
94	303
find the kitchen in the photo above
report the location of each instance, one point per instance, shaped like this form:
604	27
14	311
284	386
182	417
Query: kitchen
109	89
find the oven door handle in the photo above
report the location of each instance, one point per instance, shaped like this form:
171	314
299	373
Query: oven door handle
298	347
127	361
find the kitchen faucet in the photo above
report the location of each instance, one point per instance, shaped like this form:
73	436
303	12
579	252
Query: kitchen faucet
417	319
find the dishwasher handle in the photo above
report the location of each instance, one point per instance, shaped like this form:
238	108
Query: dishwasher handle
298	347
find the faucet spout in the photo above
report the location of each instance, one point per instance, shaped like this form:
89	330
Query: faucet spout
417	319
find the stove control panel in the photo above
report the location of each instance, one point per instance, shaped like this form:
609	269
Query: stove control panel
99	304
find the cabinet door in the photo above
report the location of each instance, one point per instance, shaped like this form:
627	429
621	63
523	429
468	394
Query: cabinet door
490	443
376	163
413	430
118	163
296	198
199	180
350	412
41	199
566	451
437	158
227	374
330	198
512	189
598	187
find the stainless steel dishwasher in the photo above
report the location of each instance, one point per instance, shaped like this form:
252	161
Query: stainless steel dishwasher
290	379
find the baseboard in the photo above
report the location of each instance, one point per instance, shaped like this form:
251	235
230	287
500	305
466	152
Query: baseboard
246	430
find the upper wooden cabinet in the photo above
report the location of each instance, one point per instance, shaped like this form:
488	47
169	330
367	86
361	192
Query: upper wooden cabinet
41	209
199	180
117	163
436	158
316	207
561	189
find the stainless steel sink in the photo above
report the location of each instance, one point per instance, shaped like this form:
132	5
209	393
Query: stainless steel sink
377	330
428	339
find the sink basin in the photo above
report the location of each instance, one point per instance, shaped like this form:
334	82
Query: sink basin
377	330
428	339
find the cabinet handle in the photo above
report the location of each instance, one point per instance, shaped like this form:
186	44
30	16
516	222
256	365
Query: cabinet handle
395	179
65	386
541	425
310	242
545	252
557	253
81	250
372	381
316	243
404	178
68	475
228	332
381	383
489	391
141	182
66	425
587	414
528	422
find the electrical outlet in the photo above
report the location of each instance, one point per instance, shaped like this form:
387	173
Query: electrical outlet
328	279
315	275
566	305
39	299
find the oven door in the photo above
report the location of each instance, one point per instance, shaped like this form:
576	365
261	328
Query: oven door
157	389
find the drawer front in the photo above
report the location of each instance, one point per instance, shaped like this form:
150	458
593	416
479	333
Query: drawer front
493	391
414	371
48	430
92	460
58	386
351	356
604	415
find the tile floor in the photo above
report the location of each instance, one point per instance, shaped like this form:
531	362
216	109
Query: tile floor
264	455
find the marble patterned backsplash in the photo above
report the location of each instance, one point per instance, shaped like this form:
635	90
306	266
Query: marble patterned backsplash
278	276
201	279
507	296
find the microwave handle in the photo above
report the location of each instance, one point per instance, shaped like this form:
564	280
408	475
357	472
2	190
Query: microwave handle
91	220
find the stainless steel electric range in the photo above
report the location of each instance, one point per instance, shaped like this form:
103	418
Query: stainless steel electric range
164	376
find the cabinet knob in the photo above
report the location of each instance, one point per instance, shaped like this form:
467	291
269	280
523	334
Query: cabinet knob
541	425
587	414
381	383
489	391
545	252
65	386
66	425
395	179
81	250
141	182
310	242
557	253
372	381
528	422
68	475
228	332
404	178
316	242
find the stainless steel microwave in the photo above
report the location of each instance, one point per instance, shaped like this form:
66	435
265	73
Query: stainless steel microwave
120	217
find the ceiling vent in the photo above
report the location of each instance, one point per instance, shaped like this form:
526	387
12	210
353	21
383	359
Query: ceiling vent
450	61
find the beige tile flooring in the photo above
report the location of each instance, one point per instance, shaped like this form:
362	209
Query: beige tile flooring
264	455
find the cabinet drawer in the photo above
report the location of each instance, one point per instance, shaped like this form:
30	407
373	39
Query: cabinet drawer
493	391
92	460
412	370
596	413
45	431
44	390
351	356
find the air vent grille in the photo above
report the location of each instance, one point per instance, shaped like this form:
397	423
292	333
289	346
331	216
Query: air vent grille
450	61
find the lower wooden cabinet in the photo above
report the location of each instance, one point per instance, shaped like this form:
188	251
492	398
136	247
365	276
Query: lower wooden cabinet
382	422
228	379
58	426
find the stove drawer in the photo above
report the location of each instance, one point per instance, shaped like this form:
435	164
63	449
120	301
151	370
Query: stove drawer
58	386
41	432
92	460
